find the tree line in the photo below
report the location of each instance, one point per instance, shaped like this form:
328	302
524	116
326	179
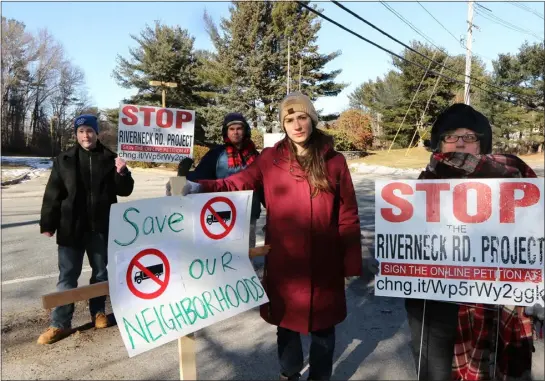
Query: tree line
247	71
406	100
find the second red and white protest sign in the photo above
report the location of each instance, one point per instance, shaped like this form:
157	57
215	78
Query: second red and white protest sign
461	240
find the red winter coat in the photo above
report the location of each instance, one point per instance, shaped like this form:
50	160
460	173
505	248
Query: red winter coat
315	242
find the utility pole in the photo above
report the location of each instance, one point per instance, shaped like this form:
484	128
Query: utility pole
468	51
163	85
288	79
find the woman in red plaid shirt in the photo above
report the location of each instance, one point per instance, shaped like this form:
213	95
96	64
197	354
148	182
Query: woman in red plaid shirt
459	341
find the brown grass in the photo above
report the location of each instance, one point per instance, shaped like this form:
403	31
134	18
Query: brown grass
535	158
418	158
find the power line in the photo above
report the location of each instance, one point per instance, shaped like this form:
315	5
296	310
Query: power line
417	52
495	19
412	101
506	25
394	54
491	17
456	38
399	16
531	103
527	9
439	22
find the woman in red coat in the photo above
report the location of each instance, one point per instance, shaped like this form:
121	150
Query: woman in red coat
314	232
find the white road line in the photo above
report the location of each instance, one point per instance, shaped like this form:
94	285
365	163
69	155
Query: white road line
21	280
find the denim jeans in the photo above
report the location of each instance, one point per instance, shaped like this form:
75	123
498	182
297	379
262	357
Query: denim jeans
439	337
290	353
253	233
70	264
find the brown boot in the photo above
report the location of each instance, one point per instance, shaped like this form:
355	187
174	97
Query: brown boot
101	321
53	334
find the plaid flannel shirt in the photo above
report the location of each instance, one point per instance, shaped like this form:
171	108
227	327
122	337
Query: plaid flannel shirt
477	351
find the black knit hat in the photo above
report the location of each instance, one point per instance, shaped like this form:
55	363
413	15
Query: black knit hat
460	115
232	118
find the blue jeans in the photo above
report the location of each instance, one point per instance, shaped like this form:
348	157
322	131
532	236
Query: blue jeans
290	353
70	264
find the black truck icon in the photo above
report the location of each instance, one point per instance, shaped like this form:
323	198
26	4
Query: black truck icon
157	270
225	216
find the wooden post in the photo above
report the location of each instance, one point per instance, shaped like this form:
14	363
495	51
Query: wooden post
186	344
188	361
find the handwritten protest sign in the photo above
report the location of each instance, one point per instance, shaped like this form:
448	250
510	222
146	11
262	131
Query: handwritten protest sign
155	134
461	240
167	278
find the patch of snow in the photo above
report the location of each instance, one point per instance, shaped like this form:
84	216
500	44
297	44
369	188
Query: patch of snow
36	166
382	170
34	162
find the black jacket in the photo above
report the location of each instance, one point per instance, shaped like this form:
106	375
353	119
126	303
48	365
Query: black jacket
64	211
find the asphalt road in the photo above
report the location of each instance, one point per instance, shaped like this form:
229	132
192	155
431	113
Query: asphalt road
372	343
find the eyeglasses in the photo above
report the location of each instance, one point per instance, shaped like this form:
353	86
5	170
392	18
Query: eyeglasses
467	138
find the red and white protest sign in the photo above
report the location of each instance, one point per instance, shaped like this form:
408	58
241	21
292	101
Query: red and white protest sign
218	217
155	134
461	240
145	279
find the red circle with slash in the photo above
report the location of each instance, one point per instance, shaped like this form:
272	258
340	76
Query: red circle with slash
135	262
209	207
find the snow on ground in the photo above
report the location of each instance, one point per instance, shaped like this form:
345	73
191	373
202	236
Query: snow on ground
34	162
35	166
382	170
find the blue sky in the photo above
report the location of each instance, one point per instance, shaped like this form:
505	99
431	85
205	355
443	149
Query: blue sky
93	33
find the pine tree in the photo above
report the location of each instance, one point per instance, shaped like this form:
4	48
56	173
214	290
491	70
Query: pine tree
163	54
251	59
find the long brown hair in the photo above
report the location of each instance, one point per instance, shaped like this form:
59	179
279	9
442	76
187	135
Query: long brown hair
313	162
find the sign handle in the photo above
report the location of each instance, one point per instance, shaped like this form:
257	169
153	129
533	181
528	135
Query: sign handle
186	352
186	344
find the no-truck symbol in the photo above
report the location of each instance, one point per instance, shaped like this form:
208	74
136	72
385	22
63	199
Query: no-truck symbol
148	274
217	220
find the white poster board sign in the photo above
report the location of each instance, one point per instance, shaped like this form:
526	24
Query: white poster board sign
155	134
270	139
172	271
479	241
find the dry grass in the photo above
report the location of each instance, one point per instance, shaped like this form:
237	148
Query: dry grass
535	158
418	158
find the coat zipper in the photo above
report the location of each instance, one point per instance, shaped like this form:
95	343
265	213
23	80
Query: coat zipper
91	192
309	240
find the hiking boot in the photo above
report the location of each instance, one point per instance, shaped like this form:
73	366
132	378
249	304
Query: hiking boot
53	334
101	321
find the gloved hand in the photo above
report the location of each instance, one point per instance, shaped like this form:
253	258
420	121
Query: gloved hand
371	264
191	187
184	166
